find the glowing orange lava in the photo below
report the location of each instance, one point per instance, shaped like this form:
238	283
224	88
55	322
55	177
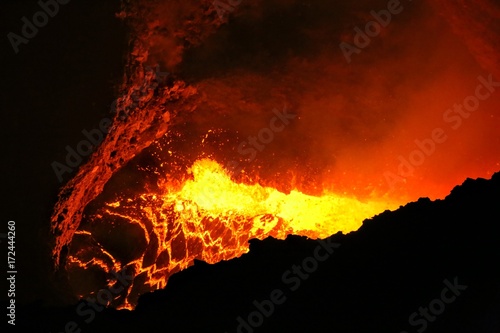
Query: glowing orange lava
212	218
343	160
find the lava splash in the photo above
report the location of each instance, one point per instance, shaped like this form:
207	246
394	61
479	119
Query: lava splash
208	217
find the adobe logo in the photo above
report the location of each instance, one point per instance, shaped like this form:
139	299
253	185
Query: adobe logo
29	30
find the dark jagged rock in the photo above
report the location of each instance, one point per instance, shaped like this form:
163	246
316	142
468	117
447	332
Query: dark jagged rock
374	281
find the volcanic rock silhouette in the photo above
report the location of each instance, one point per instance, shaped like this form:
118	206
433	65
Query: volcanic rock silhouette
429	266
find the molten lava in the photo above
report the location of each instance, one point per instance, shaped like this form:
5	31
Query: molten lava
355	123
212	218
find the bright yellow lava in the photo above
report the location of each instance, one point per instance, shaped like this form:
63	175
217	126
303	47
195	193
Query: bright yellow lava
209	217
212	191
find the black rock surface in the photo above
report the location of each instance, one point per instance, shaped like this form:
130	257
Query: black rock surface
374	280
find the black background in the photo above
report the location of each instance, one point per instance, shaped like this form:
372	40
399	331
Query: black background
60	83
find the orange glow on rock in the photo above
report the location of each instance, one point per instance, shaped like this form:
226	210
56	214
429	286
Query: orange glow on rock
212	218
